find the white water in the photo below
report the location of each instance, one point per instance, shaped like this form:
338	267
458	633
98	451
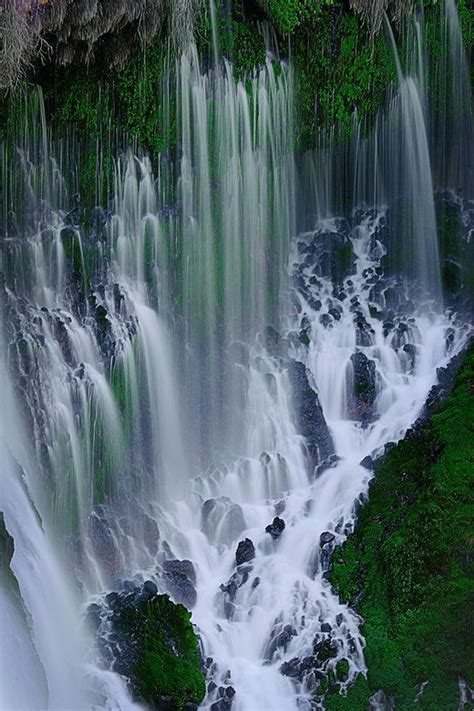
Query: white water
172	396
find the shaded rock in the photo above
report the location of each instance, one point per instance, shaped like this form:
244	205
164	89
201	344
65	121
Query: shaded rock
325	650
291	668
276	528
364	392
152	643
245	552
367	462
326	537
179	579
309	415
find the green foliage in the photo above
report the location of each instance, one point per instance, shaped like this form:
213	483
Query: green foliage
168	660
408	567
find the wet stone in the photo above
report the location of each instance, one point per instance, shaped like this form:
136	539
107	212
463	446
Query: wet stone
276	528
245	552
326	537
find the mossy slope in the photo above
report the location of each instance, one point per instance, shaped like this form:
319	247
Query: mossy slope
408	568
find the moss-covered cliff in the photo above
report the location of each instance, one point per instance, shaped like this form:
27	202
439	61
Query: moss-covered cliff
408	568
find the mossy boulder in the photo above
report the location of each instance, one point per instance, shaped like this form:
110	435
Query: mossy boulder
408	568
153	644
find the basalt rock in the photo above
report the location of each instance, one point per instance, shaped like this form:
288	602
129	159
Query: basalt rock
151	642
276	528
362	403
245	552
309	415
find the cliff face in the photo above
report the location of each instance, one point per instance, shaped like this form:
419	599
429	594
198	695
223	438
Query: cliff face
100	62
408	568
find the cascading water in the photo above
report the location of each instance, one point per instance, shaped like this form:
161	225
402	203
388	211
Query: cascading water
209	363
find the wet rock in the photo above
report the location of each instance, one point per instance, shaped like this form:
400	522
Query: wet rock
335	314
222	520
276	528
325	650
332	254
326	537
151	534
364	393
236	581
367	462
325	320
245	552
291	668
326	627
151	642
103	542
179	579
281	640
309	415
328	463
411	352
180	567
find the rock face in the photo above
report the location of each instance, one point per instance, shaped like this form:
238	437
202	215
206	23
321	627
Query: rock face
245	552
362	404
150	641
309	415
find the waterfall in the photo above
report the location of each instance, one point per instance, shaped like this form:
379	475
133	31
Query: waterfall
216	352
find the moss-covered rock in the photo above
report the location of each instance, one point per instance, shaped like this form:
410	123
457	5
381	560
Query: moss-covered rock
408	568
154	645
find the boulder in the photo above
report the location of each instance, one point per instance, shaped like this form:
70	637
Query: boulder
364	391
326	537
151	642
310	419
276	528
245	552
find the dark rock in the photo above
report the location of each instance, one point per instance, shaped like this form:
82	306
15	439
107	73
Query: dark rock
276	528
367	462
364	392
326	537
153	634
179	579
236	581
309	415
180	567
325	650
411	352
245	552
281	640
291	668
326	627
151	534
150	589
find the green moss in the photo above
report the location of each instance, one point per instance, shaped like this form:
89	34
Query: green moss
408	566
167	663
